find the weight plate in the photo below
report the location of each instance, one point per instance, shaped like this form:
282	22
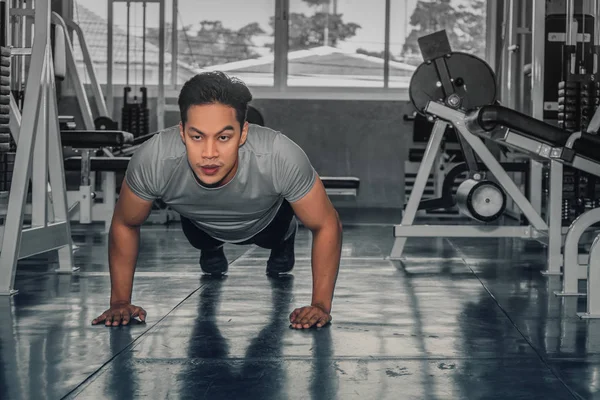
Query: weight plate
4	119
4	71
487	201
4	137
474	82
4	61
4	128
568	84
4	99
483	201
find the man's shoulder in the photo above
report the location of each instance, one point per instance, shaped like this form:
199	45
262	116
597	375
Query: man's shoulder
164	144
267	141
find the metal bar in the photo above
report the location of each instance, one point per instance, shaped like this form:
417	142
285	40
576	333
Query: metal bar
144	43
571	265
554	217
73	74
490	161
11	241
174	44
429	157
570	41
512	70
386	53
593	282
15	119
127	45
280	68
39	179
91	71
460	231
491	33
28	37
586	165
21	51
161	68
535	185
57	182
110	105
109	189
42	239
538	27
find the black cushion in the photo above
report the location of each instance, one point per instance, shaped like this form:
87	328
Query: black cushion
340	183
95	139
105	164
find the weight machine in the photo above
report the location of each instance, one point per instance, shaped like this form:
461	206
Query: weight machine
31	118
135	116
36	135
438	91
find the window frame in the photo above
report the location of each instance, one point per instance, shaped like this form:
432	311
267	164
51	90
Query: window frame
280	89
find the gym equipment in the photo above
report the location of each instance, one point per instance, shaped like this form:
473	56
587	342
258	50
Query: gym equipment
38	149
135	115
38	158
483	201
543	142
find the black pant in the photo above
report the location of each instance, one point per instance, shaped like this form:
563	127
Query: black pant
269	238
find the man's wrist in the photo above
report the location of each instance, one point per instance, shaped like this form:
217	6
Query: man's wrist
326	307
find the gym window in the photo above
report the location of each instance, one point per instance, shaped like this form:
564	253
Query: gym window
341	49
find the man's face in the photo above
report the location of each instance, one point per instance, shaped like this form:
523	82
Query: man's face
212	136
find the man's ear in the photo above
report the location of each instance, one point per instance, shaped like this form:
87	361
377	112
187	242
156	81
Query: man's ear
244	134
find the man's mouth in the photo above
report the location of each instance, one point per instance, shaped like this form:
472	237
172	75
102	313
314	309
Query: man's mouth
209	169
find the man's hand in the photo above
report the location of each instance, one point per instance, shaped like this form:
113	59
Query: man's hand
121	312
307	317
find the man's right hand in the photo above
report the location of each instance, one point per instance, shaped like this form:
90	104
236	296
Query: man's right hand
119	314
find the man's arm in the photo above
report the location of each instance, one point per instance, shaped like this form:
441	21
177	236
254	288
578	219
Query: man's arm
130	213
317	213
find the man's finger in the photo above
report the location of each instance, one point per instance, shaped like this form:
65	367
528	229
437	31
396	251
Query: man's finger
99	319
324	320
313	313
126	318
117	319
305	311
295	314
109	319
142	314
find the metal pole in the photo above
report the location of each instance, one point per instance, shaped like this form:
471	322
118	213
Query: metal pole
11	241
109	61
161	67
144	44
174	45
386	62
127	45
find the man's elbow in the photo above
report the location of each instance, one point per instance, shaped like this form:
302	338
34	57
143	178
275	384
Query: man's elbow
339	222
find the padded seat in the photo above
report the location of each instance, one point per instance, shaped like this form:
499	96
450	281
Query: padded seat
106	164
81	139
489	118
340	182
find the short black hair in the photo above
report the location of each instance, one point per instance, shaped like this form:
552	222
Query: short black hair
215	87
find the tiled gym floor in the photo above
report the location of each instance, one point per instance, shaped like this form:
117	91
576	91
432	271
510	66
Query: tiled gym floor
466	319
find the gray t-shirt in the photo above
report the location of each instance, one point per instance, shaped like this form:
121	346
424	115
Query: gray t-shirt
271	168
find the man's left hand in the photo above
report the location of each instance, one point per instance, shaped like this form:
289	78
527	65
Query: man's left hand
307	317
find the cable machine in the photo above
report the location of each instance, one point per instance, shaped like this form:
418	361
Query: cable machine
135	111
